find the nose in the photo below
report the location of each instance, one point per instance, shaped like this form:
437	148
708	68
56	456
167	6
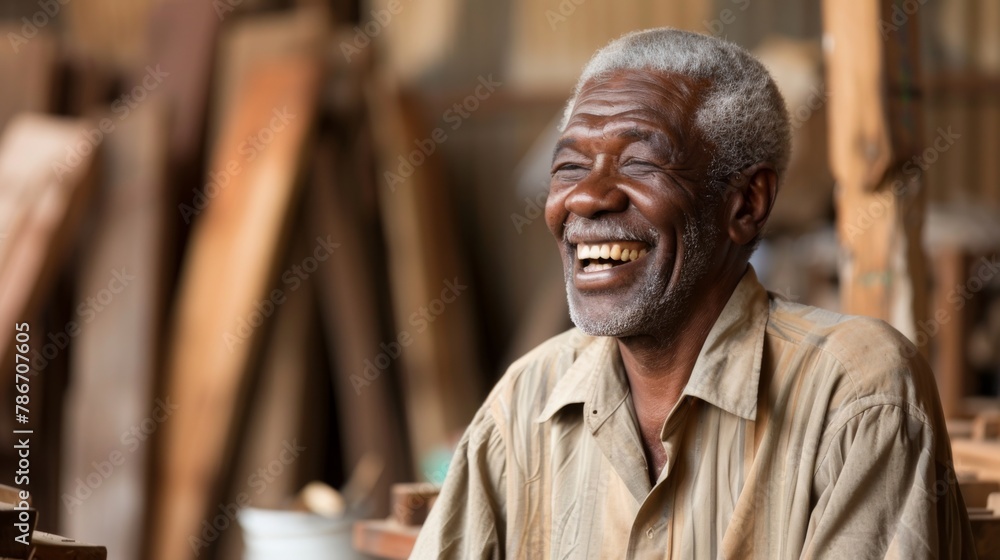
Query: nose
597	194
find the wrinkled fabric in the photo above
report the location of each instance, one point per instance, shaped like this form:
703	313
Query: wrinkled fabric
801	433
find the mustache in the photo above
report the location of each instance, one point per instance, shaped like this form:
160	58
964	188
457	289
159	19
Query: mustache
579	229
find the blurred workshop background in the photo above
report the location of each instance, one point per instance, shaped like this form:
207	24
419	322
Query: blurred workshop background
263	243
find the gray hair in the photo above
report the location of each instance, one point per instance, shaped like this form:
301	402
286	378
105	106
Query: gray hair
743	114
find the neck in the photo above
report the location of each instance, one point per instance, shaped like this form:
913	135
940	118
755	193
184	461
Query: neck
659	365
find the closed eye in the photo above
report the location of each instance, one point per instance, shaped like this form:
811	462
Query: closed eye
570	171
638	167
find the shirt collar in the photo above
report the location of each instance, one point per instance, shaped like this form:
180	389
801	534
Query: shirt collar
727	370
726	373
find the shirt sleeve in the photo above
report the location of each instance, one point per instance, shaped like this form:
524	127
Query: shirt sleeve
467	519
886	489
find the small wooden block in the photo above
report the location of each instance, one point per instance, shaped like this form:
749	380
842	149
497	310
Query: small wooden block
986	426
53	547
993	502
11	495
975	492
411	502
384	538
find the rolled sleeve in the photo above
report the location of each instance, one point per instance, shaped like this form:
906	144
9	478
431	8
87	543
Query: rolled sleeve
886	489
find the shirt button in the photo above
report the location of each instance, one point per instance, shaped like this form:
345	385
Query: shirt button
650	532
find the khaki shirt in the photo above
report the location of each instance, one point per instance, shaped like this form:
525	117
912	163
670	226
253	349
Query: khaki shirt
801	433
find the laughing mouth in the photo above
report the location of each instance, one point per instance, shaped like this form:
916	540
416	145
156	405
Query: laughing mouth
605	255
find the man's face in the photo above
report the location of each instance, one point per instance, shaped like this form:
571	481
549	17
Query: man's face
631	206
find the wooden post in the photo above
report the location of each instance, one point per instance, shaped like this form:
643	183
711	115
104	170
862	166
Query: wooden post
875	132
951	269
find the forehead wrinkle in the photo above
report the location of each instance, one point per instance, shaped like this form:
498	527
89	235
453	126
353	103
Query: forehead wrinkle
621	104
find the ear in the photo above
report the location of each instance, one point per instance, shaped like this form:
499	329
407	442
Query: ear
750	202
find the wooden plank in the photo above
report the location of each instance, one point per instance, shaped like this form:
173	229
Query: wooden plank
875	127
434	342
46	172
232	255
276	414
116	347
352	302
53	547
251	40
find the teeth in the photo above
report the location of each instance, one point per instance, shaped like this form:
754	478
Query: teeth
597	267
613	251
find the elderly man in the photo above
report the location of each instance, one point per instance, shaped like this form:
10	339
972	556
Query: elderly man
693	414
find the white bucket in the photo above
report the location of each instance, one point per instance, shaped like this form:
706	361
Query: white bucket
277	534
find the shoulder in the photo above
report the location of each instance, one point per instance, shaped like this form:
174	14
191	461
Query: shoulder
869	362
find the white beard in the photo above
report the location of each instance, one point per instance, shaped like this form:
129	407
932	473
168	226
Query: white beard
658	305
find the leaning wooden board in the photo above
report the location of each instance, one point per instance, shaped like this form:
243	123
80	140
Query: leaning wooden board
276	407
434	329
350	298
46	171
226	276
115	352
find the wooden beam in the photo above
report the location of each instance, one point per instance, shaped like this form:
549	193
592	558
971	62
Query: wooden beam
234	251
875	129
